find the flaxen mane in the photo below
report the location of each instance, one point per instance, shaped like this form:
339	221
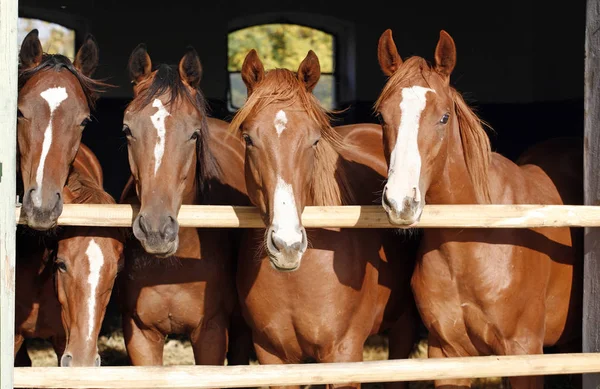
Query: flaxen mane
167	81
330	185
475	142
57	62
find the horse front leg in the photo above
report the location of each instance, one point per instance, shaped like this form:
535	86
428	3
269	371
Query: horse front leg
348	350
435	351
209	341
525	346
144	346
267	357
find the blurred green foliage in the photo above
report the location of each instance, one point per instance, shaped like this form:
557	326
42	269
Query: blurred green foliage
281	46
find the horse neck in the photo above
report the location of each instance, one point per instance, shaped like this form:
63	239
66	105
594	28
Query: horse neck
453	185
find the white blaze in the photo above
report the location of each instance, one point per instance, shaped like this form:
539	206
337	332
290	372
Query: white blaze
405	160
96	260
54	97
285	214
280	122
158	120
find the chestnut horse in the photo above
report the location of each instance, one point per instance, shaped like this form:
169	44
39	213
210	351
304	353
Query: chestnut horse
317	294
62	290
479	291
178	280
55	98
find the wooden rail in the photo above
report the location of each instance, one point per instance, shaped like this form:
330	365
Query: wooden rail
303	374
372	216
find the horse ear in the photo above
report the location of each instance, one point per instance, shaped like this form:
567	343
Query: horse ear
87	56
387	53
445	54
190	68
309	71
140	64
31	51
253	70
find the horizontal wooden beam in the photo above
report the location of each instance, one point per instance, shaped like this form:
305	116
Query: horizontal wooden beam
304	374
372	216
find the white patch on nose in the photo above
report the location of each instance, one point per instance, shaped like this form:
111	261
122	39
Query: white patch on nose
285	214
280	122
158	120
54	97
96	260
405	160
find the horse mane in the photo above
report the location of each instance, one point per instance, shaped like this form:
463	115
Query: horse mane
57	62
330	184
475	141
167	81
87	191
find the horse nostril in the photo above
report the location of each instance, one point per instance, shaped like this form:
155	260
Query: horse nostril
142	224
415	195
97	361
277	243
169	230
387	202
66	360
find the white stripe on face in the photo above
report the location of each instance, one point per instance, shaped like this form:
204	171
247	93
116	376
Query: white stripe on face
158	120
280	122
405	160
96	261
285	214
54	97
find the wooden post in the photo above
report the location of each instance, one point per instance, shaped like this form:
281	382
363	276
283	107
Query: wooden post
8	120
591	291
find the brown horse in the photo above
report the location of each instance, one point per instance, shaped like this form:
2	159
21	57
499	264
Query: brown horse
317	294
178	280
479	291
63	289
55	98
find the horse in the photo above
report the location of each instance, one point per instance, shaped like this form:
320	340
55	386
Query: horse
316	294
54	103
478	291
64	284
174	160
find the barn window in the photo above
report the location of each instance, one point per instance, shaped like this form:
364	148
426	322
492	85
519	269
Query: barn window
281	45
55	38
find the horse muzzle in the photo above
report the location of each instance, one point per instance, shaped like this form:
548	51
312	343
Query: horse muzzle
286	251
158	236
42	212
404	215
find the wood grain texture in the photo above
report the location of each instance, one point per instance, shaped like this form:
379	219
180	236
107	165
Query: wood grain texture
372	216
8	146
591	275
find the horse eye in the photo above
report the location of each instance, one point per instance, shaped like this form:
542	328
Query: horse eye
194	136
127	130
85	122
380	118
445	118
61	266
19	113
247	139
